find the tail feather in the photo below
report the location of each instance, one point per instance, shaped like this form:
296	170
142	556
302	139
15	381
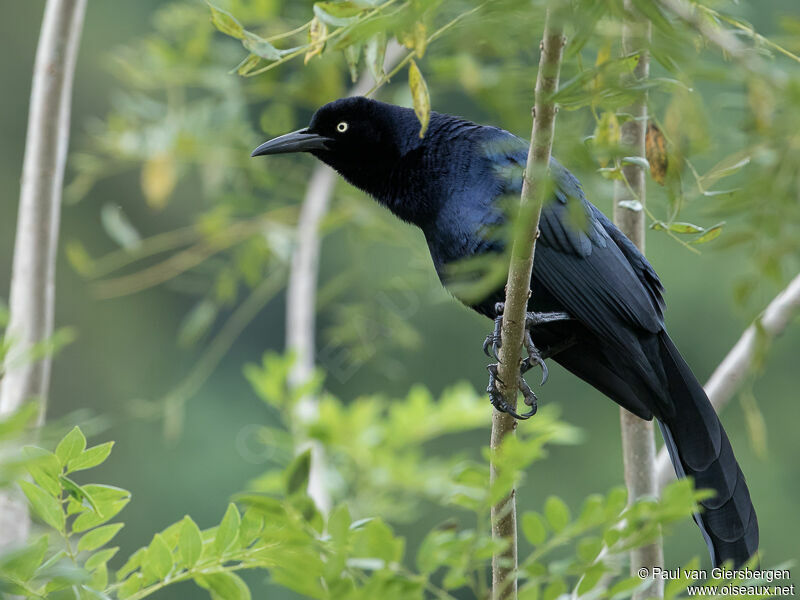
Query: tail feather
699	448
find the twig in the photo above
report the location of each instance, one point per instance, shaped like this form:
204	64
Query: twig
504	514
32	298
735	367
326	38
638	436
387	76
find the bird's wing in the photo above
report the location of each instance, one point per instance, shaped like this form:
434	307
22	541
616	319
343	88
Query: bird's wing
584	261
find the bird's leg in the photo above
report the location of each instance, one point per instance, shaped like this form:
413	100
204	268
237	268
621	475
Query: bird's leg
500	403
535	357
493	340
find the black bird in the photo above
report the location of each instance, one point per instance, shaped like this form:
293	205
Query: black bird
450	184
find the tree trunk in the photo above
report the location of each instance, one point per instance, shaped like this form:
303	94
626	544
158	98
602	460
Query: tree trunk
32	299
638	436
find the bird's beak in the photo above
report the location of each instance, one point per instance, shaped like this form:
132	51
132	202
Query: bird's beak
298	141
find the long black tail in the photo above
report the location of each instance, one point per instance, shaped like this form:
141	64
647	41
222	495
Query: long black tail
699	448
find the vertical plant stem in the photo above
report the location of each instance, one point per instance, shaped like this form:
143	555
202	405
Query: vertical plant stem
638	436
301	294
32	298
534	187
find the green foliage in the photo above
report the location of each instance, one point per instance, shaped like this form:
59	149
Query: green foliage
380	452
183	121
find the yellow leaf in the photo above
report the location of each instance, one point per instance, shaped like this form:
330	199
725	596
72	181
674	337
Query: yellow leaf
603	56
419	93
420	38
606	136
158	180
316	32
655	146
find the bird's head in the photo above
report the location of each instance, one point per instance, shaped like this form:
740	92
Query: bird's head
361	138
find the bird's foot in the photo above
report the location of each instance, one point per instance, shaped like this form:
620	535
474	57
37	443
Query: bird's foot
493	343
494	339
499	402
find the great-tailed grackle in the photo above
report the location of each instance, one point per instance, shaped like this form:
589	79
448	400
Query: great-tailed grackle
596	304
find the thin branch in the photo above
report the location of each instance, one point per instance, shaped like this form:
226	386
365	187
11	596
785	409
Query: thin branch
301	294
32	298
735	367
504	513
638	436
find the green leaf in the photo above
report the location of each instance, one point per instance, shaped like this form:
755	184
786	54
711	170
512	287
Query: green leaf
374	54
556	512
130	586
639	161
98	581
47	508
159	557
15	423
591	578
224	586
22	564
109	500
297	473
710	234
677	227
118	226
248	64
252	525
613	173
589	548
100	558
78	493
133	563
352	54
226	22
260	47
339	524
626	585
79	258
726	167
533	528
420	96
92	457
556	588
337	14
190	542
71	446
99	537
45	468
228	530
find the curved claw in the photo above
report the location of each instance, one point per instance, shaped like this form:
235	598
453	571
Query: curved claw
500	403
486	344
545	372
527	365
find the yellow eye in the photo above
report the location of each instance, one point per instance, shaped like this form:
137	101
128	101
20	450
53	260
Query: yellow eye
342	127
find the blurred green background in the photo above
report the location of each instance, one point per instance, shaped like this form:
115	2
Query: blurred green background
126	348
